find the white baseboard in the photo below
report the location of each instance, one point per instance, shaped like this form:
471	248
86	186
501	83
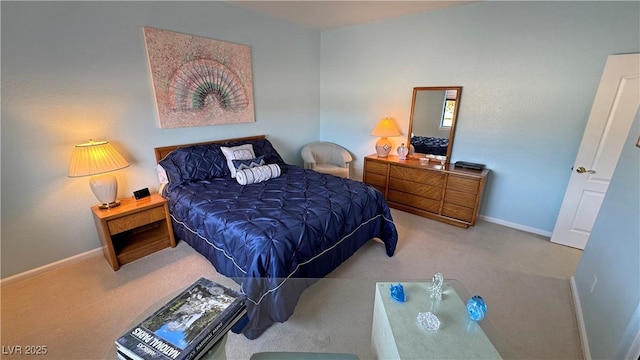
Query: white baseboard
515	226
582	330
54	265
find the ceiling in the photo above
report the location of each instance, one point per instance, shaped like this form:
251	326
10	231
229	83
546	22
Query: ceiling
327	15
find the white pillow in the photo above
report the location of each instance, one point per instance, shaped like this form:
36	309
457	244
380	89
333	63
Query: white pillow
162	177
242	152
257	174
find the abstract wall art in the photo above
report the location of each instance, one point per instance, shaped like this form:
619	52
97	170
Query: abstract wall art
199	81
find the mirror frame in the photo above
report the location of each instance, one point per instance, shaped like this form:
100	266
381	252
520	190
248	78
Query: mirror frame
452	130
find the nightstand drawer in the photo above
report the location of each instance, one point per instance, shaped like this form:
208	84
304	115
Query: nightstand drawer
133	221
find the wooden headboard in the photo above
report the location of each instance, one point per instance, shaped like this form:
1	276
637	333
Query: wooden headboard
163	151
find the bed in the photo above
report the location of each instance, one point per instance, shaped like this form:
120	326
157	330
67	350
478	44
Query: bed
274	236
430	145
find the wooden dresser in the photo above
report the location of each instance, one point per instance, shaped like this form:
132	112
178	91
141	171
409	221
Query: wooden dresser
451	195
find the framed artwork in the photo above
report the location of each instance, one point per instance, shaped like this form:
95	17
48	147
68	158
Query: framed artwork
199	81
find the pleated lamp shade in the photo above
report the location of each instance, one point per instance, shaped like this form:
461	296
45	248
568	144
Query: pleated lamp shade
385	128
98	158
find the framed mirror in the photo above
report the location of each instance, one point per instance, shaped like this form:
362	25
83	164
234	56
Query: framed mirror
434	111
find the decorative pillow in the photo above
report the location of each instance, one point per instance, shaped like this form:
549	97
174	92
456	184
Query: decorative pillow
248	163
242	152
194	163
257	174
265	148
162	177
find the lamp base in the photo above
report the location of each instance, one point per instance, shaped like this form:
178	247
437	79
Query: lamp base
105	188
109	206
383	147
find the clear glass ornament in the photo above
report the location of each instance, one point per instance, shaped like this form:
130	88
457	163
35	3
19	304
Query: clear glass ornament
428	320
436	286
403	151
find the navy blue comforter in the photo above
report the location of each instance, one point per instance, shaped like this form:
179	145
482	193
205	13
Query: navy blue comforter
302	224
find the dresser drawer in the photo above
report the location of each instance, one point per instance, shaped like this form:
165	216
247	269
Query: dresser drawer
375	179
426	177
375	167
463	184
133	221
418	202
457	212
427	191
460	198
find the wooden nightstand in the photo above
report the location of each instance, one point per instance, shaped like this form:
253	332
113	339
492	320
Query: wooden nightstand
134	229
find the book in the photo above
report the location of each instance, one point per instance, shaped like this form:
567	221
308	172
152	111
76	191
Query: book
181	329
206	345
214	340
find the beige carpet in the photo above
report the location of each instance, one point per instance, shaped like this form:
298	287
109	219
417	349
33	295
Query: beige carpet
79	310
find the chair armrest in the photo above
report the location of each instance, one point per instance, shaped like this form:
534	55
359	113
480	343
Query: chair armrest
341	157
346	156
307	158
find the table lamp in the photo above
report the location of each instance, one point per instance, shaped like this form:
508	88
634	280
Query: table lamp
385	128
98	159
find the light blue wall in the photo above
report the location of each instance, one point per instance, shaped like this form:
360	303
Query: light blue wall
78	70
529	72
612	311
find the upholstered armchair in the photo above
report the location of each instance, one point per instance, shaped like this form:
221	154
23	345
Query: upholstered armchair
327	157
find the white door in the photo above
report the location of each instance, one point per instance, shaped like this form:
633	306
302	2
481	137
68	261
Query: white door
612	114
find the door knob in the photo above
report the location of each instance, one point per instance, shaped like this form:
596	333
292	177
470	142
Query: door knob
582	170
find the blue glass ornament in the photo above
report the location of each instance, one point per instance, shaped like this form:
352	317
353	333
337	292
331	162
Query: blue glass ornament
476	308
397	292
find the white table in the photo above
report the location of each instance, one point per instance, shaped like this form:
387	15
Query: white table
396	334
